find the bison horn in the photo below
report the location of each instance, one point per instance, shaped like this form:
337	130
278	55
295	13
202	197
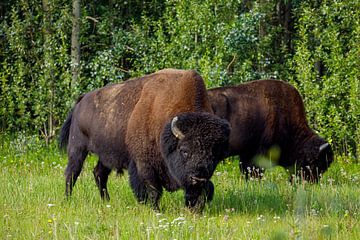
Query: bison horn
323	146
175	130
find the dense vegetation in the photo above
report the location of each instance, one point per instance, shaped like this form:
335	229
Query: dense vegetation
312	44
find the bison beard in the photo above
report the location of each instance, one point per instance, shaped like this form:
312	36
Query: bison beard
268	113
159	127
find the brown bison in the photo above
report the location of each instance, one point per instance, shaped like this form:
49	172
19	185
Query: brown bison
268	114
159	127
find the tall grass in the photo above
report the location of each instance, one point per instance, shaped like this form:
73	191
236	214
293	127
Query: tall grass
33	205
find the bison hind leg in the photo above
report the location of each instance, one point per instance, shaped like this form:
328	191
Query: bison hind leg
101	174
74	166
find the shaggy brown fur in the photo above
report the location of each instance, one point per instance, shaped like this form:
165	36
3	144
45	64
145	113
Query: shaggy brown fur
124	124
270	113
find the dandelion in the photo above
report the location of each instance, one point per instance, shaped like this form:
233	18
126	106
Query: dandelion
260	218
179	219
230	210
162	220
314	212
276	218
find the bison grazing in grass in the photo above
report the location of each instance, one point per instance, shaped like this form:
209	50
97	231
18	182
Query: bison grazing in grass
270	114
159	127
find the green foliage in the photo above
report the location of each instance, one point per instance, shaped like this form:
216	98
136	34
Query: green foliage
312	44
189	35
34	70
327	72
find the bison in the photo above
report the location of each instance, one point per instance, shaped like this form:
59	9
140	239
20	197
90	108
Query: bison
160	127
266	115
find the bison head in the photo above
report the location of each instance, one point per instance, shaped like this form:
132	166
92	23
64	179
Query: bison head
316	157
192	145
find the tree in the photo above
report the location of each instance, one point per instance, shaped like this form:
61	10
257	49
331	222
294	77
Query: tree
75	44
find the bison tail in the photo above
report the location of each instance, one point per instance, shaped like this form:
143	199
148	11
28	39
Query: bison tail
65	129
64	132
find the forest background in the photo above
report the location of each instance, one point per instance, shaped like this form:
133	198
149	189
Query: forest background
313	44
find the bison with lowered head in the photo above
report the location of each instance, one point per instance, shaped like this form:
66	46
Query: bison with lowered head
159	127
270	113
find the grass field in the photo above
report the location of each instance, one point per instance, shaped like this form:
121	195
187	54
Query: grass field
33	205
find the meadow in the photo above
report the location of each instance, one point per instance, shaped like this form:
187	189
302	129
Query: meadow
33	205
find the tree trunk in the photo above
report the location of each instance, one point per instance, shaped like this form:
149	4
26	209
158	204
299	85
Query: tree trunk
48	130
286	21
75	44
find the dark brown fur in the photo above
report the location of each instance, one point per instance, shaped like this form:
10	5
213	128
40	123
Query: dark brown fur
270	113
124	123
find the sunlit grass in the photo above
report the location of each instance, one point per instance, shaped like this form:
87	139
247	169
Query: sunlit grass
33	205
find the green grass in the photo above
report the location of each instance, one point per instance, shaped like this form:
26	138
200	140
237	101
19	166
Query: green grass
33	205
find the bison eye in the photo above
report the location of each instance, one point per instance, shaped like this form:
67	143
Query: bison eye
184	152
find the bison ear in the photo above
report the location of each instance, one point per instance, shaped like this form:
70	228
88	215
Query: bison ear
323	147
175	130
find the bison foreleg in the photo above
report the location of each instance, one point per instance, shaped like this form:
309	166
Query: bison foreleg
209	190
137	184
196	197
154	194
101	174
146	191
